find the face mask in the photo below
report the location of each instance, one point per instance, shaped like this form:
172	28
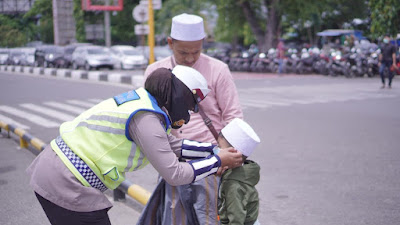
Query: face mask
385	41
181	102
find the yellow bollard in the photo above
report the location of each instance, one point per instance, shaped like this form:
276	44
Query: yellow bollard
139	193
38	144
20	132
23	143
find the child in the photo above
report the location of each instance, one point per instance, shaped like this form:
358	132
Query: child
238	198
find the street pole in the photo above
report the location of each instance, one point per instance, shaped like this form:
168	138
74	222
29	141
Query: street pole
107	25
151	33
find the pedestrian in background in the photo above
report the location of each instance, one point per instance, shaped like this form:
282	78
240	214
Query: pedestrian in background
280	54
220	107
123	134
387	59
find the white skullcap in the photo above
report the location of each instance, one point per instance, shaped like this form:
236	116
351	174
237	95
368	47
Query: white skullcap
187	27
241	136
193	79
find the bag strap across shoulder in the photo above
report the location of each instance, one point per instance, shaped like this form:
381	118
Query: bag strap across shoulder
208	123
206	120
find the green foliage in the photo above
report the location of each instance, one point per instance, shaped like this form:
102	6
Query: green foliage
305	17
123	25
385	17
78	14
44	10
171	8
11	34
230	21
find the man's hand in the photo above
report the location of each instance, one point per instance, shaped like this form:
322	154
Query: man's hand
230	158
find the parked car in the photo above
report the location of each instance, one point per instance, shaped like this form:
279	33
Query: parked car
68	51
127	57
3	55
160	52
14	56
93	56
28	56
48	55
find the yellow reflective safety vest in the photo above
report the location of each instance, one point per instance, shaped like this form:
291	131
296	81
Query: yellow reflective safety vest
97	142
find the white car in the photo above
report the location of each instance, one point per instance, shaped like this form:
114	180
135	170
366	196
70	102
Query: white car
92	56
128	57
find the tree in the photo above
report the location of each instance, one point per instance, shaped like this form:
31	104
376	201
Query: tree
385	17
171	8
43	10
11	34
123	25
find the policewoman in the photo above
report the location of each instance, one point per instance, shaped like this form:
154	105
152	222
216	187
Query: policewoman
123	134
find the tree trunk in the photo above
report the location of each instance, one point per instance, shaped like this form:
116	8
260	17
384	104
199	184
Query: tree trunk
273	23
269	38
253	22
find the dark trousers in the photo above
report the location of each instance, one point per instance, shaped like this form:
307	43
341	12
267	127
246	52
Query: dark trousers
386	64
60	216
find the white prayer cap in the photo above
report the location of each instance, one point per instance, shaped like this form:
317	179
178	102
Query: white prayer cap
187	27
241	136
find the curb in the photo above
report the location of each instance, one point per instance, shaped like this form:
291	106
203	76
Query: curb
102	76
126	187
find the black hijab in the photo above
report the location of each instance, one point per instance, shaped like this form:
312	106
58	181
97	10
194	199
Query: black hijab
171	93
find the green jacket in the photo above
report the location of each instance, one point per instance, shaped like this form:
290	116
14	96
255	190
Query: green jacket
238	198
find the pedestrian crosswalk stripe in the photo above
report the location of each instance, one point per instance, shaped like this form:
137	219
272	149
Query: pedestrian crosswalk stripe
246	104
48	111
265	97
95	100
11	121
81	103
29	116
65	107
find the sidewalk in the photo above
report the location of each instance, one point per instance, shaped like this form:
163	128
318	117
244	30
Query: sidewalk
134	78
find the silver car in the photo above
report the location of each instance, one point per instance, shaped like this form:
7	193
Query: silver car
3	55
29	56
89	57
128	57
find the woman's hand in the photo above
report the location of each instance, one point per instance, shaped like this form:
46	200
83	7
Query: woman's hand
230	158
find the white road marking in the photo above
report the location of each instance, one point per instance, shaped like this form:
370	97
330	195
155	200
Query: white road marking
81	103
8	120
265	97
95	100
48	111
65	107
29	116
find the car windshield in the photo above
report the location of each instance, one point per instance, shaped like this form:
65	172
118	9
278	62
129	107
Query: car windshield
55	50
131	52
69	50
96	51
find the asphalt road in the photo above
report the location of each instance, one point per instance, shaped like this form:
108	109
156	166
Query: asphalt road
329	152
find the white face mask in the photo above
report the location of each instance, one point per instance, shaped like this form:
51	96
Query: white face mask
385	41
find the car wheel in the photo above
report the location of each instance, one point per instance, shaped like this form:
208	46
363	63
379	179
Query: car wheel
87	66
